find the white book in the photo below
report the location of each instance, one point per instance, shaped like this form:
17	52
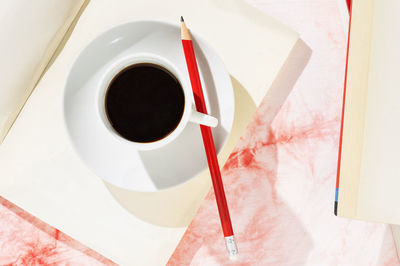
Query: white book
369	168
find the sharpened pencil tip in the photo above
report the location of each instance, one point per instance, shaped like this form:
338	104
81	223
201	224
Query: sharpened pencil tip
182	20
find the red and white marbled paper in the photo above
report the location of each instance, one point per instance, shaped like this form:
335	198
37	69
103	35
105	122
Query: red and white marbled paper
25	240
280	179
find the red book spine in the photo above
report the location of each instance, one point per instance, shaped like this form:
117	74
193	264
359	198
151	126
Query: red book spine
343	110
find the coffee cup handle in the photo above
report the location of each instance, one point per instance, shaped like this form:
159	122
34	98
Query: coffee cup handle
203	119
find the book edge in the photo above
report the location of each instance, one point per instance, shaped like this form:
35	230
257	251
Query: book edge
352	211
336	203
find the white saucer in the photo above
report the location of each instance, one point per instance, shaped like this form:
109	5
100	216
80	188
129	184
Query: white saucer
119	164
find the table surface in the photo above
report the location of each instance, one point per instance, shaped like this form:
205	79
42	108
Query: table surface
25	240
284	168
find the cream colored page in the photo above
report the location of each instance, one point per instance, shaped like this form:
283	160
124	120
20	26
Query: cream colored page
41	173
355	101
30	32
379	192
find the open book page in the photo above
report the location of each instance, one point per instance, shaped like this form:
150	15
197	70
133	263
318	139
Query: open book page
31	32
42	174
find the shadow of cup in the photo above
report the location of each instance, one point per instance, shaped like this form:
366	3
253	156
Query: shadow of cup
175	207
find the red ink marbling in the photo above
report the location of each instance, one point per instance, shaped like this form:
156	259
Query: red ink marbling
280	179
26	240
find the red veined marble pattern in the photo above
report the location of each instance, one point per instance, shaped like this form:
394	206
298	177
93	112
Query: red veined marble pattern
26	240
280	179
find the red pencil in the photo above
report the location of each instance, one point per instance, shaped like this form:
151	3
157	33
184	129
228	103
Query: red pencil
208	141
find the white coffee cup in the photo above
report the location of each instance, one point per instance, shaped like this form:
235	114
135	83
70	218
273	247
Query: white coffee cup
189	112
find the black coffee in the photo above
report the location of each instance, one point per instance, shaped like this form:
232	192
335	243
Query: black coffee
144	103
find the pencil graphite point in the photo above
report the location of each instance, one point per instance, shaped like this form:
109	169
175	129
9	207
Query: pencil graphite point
185	35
